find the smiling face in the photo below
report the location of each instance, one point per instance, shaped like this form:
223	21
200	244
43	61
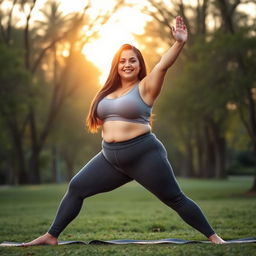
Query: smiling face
128	66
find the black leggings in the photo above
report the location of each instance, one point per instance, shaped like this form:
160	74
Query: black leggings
143	159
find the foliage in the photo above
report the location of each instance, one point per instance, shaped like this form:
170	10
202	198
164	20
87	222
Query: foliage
16	93
52	55
212	81
75	145
15	83
204	110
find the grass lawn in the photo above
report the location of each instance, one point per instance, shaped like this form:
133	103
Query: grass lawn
130	212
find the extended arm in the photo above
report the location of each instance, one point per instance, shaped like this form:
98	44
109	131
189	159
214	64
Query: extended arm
153	82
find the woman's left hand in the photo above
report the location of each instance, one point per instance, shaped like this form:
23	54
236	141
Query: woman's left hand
180	32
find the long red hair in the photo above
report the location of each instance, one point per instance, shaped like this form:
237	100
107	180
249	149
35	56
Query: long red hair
112	83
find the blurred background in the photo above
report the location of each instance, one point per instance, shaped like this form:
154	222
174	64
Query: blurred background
55	55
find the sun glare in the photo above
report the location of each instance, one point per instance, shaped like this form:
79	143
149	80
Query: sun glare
117	31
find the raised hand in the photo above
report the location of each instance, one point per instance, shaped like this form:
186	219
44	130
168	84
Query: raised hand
180	32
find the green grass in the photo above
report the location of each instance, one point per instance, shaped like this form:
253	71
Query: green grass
130	212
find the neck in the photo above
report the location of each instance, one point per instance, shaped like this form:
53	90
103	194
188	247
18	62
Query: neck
126	84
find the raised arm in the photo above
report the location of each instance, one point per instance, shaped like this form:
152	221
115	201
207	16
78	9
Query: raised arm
152	83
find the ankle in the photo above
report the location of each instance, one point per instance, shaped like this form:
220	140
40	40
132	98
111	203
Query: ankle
50	236
212	236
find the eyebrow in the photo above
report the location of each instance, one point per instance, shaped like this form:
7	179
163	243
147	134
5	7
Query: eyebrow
129	58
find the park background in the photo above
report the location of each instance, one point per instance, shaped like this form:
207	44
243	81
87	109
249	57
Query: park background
54	57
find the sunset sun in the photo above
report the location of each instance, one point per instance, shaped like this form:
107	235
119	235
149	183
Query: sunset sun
120	29
117	30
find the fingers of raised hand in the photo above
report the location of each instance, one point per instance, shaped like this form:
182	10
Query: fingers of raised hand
180	25
179	21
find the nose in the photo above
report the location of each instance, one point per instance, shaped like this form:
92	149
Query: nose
127	64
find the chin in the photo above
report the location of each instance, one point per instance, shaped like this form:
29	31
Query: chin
129	76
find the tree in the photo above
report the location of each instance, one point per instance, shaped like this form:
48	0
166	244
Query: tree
213	155
74	146
242	63
199	76
15	83
38	122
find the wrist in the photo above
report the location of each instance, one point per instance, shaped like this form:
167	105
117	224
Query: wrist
180	42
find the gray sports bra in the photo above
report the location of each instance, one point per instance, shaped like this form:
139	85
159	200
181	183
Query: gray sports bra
129	107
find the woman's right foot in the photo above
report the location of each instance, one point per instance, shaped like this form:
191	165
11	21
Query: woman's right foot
43	240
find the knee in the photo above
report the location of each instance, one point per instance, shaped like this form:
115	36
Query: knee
177	201
79	188
74	187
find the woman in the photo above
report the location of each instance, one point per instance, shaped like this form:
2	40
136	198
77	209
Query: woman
129	150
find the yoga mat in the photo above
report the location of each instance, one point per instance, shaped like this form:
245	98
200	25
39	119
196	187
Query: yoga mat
128	241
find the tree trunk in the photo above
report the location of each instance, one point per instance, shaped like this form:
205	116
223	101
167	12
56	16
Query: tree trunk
219	144
208	154
188	166
70	169
220	161
201	17
227	11
34	168
199	146
253	188
20	167
54	164
34	171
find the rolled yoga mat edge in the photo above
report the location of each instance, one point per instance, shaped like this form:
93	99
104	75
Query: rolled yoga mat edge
129	241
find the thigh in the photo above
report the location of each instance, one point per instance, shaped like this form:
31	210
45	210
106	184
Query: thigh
97	176
153	170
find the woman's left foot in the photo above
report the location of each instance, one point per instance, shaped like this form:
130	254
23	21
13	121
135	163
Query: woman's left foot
216	239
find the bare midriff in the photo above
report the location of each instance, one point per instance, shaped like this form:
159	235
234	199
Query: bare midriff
117	131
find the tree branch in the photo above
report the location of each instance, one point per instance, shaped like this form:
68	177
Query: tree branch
233	6
51	44
41	55
104	18
9	25
2	30
26	36
247	126
165	15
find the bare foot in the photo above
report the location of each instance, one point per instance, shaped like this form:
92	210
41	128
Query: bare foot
216	239
42	240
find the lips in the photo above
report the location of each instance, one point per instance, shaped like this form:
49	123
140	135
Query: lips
128	70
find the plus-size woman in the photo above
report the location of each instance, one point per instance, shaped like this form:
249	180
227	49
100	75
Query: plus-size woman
130	151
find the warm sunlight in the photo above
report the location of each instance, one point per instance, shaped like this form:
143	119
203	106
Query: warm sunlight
117	31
